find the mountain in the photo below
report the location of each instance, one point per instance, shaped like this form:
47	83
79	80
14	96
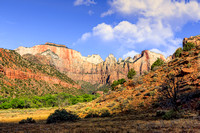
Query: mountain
156	89
92	68
20	77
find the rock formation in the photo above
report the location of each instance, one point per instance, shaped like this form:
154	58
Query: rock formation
192	39
92	68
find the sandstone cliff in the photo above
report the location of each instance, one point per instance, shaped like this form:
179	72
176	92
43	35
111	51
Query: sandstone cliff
192	39
92	68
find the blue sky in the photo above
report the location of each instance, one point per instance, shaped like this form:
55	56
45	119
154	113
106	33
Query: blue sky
121	27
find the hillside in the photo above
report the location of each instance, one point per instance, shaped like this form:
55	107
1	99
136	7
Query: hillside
20	77
149	91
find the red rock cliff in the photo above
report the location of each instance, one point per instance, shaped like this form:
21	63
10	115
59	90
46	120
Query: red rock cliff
78	67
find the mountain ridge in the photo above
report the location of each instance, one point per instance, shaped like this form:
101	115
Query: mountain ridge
92	68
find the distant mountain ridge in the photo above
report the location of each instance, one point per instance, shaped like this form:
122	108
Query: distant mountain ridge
92	68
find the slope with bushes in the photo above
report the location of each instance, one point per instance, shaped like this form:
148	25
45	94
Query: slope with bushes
146	92
22	78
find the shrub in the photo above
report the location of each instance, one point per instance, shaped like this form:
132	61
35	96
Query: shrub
131	73
28	120
106	113
61	115
178	52
171	115
120	81
188	46
158	62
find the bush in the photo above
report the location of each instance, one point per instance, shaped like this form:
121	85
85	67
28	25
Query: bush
131	73
61	115
120	81
178	52
171	115
158	62
188	46
28	120
106	113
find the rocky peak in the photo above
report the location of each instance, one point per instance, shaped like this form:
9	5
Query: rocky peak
111	59
119	60
192	39
95	59
56	45
129	59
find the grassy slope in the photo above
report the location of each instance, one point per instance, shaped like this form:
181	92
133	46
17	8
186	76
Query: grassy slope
30	87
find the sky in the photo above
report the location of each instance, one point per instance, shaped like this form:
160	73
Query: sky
120	27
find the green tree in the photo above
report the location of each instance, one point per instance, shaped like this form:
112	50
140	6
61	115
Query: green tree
158	62
188	46
131	73
178	52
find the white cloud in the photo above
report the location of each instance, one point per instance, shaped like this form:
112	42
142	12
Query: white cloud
109	12
174	13
130	54
156	25
103	31
84	2
85	36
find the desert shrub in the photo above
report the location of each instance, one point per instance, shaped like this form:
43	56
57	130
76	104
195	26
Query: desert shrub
117	82
160	113
105	113
92	114
189	65
188	46
158	62
171	114
131	73
28	120
178	52
61	115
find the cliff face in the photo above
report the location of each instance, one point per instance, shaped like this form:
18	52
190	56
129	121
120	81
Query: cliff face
192	39
92	68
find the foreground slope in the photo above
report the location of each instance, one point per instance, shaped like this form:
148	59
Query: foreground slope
20	77
146	92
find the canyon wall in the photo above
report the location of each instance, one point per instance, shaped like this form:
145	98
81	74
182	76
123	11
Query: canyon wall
92	68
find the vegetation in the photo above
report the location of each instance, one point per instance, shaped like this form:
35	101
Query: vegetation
188	46
117	82
178	52
131	73
90	88
28	120
170	90
157	63
49	100
61	115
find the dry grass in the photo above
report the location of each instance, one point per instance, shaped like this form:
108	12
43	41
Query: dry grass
134	122
125	123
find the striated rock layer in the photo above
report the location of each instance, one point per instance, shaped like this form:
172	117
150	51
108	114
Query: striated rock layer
92	68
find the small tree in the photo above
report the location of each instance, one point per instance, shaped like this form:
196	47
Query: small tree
131	73
158	62
188	46
178	52
170	89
